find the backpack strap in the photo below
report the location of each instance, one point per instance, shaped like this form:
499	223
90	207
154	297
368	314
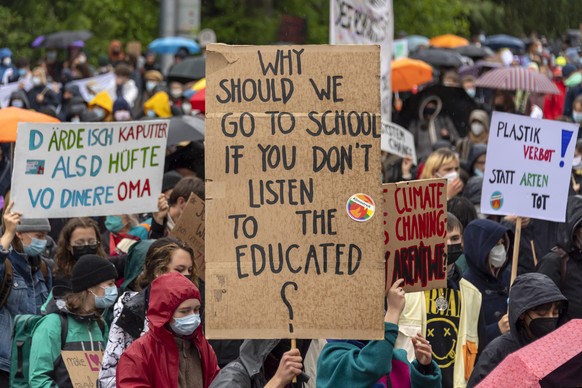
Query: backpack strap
564	257
7	281
43	269
64	329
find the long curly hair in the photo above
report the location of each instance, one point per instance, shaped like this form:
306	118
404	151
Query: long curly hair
64	255
159	256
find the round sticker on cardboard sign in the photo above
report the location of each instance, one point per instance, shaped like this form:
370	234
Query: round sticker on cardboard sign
360	207
496	200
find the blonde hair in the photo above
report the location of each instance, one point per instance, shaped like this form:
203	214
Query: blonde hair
435	160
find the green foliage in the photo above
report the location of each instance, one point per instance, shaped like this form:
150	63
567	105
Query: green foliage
430	17
125	20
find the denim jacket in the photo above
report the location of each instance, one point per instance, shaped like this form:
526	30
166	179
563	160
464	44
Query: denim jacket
29	292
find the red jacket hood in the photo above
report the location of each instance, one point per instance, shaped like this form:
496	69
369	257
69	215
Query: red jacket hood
167	293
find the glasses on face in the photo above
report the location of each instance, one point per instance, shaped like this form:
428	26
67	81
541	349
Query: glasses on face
93	244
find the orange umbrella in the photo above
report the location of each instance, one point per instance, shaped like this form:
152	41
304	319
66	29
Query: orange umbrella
11	116
448	41
408	73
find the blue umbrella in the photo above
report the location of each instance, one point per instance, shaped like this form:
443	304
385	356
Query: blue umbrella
497	42
414	41
171	45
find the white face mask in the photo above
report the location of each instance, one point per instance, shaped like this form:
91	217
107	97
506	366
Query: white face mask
477	128
451	176
151	85
187	108
577	160
36	81
7	61
18	103
577	116
497	256
100	112
471	92
176	93
122	115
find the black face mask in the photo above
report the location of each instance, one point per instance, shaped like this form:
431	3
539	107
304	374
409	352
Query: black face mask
428	112
83	250
454	251
539	327
499	108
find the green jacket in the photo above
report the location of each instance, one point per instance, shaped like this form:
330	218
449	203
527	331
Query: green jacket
46	365
361	364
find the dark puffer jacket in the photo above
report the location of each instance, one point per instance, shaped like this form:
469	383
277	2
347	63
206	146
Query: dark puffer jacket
528	291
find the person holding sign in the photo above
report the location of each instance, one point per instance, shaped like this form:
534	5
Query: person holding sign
93	290
487	244
451	316
378	363
25	276
174	352
444	163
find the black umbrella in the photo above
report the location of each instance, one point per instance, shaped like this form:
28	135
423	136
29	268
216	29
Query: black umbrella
475	52
63	39
190	69
497	42
185	128
456	104
439	57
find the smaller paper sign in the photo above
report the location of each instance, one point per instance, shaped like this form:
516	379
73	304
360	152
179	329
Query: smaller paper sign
190	229
398	141
83	366
415	230
529	167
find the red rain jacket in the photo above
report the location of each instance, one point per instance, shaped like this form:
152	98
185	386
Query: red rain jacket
152	360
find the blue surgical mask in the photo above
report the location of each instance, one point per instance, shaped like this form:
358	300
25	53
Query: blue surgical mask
114	223
107	300
35	248
471	92
151	113
186	325
577	116
477	172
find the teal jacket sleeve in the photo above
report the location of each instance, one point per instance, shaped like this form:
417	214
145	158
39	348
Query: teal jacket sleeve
45	349
420	380
347	365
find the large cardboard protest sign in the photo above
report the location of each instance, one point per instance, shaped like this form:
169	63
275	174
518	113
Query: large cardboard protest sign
528	167
293	181
415	230
366	22
190	229
88	169
83	366
398	141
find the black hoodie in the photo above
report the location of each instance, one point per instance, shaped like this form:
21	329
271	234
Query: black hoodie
551	264
528	291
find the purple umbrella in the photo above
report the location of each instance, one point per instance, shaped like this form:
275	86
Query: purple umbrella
38	41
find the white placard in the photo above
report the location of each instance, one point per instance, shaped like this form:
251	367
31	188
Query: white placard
528	167
88	169
398	141
366	22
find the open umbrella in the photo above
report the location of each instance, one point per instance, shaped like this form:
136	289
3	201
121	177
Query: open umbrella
475	52
439	57
497	42
478	68
415	41
517	78
171	45
11	116
448	41
198	100
63	39
185	128
456	104
554	360
190	69
408	73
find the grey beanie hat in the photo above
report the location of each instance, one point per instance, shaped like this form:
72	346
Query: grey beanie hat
33	225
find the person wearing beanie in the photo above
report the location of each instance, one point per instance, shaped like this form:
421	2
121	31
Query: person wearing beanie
92	291
121	110
21	255
174	351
